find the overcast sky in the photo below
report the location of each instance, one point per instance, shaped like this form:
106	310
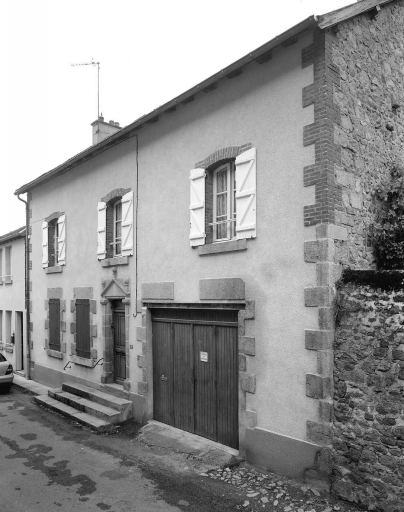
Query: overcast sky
150	52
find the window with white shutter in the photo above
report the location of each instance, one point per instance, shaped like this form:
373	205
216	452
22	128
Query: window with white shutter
127	224
197	207
44	244
61	240
246	194
101	231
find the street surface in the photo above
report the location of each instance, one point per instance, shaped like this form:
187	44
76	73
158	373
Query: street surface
49	463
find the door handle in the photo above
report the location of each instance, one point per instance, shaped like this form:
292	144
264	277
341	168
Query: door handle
163	378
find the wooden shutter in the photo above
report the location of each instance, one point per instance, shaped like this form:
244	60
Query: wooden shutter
62	240
246	194
102	231
197	207
83	341
127	224
54	324
45	244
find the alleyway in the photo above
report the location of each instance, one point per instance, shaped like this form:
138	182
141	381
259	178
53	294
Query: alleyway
48	463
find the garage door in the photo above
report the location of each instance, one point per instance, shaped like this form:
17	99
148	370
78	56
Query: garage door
195	377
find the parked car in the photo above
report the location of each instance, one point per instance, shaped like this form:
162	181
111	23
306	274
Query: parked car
6	373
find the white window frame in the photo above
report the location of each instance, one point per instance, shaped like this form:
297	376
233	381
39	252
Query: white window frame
231	203
115	243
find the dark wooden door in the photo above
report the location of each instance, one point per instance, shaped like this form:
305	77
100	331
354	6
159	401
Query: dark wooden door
195	377
119	344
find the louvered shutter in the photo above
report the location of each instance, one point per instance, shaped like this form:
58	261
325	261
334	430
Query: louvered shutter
101	231
62	240
127	224
45	244
197	207
246	194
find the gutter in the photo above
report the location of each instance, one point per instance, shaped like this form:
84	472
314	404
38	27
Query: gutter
262	53
27	297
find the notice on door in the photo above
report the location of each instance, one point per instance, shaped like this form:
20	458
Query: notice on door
204	357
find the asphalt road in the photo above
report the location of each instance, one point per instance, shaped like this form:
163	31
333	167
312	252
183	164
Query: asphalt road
48	463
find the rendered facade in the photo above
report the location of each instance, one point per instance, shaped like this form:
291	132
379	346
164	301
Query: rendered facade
188	260
12	299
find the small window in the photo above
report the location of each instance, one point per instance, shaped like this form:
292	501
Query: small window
117	239
83	342
54	324
224	203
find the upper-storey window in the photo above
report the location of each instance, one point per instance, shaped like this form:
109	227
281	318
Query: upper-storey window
115	225
54	241
223	200
117	234
7	275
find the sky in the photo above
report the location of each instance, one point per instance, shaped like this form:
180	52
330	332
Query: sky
149	53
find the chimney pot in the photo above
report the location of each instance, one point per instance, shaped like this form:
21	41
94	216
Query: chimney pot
111	122
116	123
101	119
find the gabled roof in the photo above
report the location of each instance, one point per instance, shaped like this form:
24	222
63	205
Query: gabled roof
260	55
12	235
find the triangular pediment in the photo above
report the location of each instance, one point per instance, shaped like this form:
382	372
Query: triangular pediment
114	289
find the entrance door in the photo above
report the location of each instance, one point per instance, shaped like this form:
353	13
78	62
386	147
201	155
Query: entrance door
119	342
19	343
195	376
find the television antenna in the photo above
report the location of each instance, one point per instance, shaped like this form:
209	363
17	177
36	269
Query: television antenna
92	63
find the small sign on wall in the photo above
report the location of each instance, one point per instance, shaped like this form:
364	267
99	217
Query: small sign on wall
204	357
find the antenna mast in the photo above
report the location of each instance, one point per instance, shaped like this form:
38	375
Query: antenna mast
92	63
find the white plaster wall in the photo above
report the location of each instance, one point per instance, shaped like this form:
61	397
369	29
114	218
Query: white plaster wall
12	296
262	106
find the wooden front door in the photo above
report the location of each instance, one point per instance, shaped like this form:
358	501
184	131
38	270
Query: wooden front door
195	376
119	342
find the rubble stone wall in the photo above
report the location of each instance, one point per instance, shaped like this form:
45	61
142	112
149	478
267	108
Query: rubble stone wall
368	441
369	52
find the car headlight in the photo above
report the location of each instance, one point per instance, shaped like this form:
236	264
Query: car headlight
9	369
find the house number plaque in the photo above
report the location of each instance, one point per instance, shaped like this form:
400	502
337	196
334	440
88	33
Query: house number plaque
204	357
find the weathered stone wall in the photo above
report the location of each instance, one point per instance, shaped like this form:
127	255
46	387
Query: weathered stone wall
368	444
369	53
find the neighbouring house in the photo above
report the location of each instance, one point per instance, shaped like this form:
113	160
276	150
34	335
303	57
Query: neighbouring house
12	299
187	261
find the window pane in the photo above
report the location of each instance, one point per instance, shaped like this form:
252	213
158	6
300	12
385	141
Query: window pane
118	211
118	248
222	181
221	205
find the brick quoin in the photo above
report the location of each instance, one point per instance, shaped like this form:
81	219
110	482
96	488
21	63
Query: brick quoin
321	174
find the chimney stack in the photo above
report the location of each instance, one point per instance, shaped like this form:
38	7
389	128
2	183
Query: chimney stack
102	130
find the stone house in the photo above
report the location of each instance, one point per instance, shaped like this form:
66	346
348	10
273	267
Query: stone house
195	251
12	298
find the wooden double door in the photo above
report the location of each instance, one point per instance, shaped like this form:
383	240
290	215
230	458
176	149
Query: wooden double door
195	374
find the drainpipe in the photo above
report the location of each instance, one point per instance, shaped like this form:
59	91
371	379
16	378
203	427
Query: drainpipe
27	312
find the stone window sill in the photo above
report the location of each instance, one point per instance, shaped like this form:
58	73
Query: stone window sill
7	280
9	348
54	270
83	361
54	353
222	247
117	260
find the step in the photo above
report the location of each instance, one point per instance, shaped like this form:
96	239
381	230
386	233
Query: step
114	402
100	411
70	412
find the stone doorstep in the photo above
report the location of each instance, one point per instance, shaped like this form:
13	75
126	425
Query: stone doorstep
99	397
111	416
70	412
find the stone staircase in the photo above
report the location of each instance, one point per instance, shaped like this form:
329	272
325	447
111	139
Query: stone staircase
86	405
